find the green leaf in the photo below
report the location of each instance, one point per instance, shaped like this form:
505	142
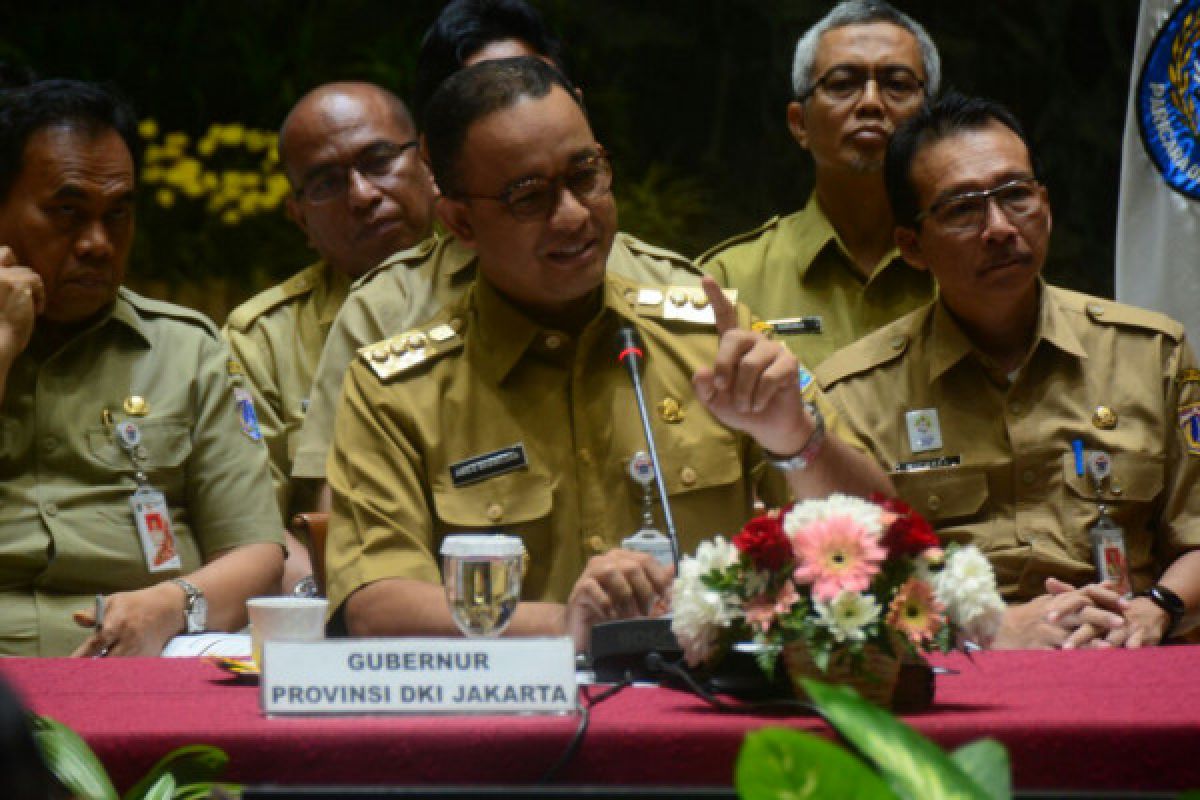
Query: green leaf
204	790
71	760
784	764
185	765
162	789
911	764
986	761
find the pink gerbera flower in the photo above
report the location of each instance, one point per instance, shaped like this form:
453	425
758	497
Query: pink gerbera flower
836	554
762	610
916	612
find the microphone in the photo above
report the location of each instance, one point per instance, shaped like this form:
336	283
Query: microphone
629	353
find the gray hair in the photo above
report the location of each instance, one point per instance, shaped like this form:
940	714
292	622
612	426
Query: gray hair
863	12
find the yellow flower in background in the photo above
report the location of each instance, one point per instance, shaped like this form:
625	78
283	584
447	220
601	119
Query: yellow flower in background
154	154
175	141
232	135
207	146
231	217
148	128
165	198
256	140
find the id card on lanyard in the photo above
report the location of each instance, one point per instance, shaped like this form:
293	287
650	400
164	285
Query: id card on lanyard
151	514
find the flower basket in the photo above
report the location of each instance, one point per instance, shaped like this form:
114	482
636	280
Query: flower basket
874	677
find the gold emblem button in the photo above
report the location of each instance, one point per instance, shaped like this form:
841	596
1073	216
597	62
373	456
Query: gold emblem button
688	476
934	502
136	406
1104	418
495	511
670	410
597	544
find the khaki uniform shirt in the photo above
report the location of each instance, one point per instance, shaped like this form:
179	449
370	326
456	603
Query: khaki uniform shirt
413	423
797	275
412	286
1003	475
277	337
66	526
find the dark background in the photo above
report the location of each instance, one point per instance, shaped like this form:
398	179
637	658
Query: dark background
689	96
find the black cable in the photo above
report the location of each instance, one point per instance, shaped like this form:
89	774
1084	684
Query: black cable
656	663
585	717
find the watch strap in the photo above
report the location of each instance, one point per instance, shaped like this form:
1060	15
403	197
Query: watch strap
1171	603
193	602
812	446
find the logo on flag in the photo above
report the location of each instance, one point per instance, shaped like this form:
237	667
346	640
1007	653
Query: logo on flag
1168	100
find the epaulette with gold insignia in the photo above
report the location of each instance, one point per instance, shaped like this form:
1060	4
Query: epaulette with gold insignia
405	351
733	241
1110	312
675	303
864	355
408	257
300	284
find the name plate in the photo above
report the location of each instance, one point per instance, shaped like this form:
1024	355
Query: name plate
420	676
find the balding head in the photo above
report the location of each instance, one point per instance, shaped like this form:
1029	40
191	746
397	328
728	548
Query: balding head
360	191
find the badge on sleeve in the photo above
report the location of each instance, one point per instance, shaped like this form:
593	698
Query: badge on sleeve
1189	424
805	379
924	430
249	417
153	520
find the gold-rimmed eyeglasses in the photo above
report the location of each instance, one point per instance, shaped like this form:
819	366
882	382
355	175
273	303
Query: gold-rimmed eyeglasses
588	178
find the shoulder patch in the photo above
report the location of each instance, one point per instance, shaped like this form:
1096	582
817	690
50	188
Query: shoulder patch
733	241
405	351
267	300
1102	311
676	303
160	308
862	356
638	246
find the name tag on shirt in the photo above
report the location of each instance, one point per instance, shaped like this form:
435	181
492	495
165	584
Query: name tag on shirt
489	465
810	324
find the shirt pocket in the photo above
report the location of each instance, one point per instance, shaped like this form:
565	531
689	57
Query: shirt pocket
518	505
944	495
707	485
162	454
1129	496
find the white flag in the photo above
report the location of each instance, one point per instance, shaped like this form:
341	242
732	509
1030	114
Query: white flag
1158	222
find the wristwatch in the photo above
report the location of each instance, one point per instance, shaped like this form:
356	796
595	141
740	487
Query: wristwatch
306	587
195	610
1169	602
808	452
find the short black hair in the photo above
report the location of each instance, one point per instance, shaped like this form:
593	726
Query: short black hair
952	114
90	108
463	28
473	93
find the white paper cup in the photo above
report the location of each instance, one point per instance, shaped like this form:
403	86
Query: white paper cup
285	619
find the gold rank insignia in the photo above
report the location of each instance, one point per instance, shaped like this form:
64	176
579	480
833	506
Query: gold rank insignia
136	406
1104	418
235	367
406	350
670	410
1190	376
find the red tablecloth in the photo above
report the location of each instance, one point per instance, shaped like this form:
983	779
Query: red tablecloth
1070	720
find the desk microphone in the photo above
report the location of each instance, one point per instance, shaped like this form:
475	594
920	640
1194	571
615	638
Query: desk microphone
629	353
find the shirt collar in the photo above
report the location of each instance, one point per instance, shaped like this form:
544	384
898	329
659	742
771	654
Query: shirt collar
816	233
123	312
329	292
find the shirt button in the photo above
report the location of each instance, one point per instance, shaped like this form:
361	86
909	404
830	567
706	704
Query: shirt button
495	511
553	341
597	544
934	502
688	476
585	455
51	509
50	444
1015	409
1028	477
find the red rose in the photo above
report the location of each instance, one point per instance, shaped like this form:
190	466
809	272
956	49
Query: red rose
764	541
910	534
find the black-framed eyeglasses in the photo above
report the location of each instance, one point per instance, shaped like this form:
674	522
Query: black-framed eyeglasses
588	178
898	85
380	164
966	213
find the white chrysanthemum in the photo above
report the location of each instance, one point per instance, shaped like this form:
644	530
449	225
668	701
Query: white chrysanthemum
848	615
699	612
868	515
966	585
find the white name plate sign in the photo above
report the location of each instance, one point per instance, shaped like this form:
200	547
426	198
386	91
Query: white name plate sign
420	676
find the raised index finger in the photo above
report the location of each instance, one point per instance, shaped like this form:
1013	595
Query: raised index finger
725	312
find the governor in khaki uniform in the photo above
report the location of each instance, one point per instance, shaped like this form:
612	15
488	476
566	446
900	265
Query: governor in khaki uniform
360	194
830	273
129	460
510	410
1017	415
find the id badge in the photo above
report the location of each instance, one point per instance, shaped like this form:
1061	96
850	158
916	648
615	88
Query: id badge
153	520
1108	551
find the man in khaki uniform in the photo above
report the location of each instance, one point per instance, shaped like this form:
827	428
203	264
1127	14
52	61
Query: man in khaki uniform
974	403
830	273
509	410
129	465
361	194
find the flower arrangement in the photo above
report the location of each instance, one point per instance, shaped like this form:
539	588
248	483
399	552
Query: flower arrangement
840	576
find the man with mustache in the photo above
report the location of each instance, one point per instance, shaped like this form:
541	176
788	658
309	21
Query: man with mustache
509	410
1029	420
829	273
360	193
131	480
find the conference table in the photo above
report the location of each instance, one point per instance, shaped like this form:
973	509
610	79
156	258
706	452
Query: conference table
1111	720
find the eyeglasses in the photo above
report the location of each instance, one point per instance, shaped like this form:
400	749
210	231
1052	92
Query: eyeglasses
380	165
589	178
896	84
966	213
